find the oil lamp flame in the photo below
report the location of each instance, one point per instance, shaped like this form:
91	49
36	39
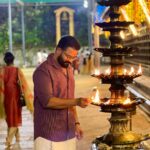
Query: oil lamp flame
140	70
107	72
127	101
96	97
131	71
97	72
125	71
108	102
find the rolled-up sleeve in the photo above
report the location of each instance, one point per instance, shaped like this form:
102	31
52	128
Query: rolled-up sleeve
42	87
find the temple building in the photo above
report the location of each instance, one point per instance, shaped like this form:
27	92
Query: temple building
138	34
136	13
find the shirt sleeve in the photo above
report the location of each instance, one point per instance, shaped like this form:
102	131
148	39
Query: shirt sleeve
42	87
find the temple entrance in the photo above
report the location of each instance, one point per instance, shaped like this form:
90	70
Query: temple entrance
64	22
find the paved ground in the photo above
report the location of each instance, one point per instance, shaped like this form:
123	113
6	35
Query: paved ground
93	122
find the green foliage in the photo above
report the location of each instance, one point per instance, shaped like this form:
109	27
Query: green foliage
40	26
81	27
3	30
3	38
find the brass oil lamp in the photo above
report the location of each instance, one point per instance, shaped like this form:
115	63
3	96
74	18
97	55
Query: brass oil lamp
119	136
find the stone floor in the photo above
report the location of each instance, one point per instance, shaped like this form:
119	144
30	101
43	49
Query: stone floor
93	122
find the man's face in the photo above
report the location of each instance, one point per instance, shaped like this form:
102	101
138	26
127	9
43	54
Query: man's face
67	56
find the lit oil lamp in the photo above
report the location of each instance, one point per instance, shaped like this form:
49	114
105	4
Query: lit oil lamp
139	70
97	72
131	71
95	98
127	101
125	71
108	71
108	102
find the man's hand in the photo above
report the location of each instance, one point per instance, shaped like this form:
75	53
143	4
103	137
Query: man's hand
78	132
82	102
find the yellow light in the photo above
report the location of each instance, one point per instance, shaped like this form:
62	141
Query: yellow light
96	98
97	72
108	71
131	71
132	27
122	34
140	70
125	71
145	9
127	101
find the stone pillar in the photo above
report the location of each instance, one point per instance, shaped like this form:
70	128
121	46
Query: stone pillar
96	45
58	28
71	24
58	13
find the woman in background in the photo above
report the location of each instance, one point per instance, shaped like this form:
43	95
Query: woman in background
10	97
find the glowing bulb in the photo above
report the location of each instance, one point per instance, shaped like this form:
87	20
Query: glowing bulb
85	4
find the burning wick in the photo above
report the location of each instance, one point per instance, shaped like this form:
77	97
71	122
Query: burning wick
140	70
96	96
131	71
108	102
107	72
97	72
127	101
125	72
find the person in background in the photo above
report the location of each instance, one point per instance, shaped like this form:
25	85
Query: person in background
56	122
90	63
10	107
75	65
84	66
39	57
44	55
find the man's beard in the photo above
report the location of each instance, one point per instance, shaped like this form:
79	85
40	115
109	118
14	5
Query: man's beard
63	63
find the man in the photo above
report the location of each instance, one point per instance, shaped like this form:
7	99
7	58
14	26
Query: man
55	119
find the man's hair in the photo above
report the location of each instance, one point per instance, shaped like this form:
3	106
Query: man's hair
9	58
68	41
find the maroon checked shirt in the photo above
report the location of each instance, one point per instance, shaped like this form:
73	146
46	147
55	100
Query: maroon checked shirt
50	81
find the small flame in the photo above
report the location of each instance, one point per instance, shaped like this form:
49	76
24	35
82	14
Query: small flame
140	70
122	34
96	98
127	101
125	71
108	102
107	72
97	72
131	71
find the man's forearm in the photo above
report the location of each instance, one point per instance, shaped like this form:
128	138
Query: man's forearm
61	103
75	114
